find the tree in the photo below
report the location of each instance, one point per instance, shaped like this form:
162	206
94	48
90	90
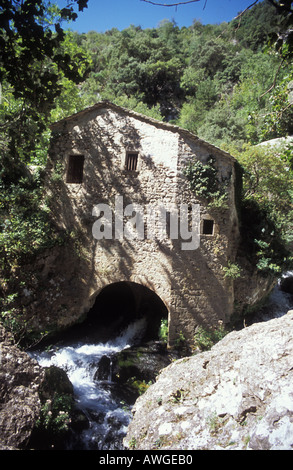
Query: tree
33	61
38	61
26	37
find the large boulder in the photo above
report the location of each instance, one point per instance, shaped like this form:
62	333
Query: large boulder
238	395
20	378
33	400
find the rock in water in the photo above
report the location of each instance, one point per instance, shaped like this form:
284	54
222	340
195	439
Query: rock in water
286	284
236	396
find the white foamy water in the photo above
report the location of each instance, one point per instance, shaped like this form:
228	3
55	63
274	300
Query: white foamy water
278	304
108	418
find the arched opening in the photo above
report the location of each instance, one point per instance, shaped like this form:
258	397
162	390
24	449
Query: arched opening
122	303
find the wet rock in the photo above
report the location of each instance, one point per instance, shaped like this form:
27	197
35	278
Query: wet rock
123	393
286	284
20	379
55	383
143	362
53	429
104	369
79	421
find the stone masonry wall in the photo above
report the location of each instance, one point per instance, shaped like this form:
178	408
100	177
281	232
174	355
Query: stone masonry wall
191	283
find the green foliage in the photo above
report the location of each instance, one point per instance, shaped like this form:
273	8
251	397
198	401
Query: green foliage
140	386
39	73
278	120
203	180
215	80
163	332
204	339
132	443
266	205
232	271
31	53
55	415
9	316
57	409
264	238
25	222
33	63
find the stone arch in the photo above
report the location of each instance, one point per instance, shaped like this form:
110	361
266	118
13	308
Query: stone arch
120	303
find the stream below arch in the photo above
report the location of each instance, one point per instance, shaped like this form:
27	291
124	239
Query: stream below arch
104	402
123	315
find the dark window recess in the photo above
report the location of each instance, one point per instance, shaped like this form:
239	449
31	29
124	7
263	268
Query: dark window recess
131	161
75	169
208	227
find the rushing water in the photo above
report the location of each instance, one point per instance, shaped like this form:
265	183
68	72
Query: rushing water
108	418
278	304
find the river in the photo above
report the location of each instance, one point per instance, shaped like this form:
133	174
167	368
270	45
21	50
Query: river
109	415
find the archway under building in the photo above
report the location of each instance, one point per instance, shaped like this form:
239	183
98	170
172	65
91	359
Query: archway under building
120	304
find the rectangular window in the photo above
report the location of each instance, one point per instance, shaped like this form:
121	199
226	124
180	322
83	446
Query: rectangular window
131	161
207	227
75	169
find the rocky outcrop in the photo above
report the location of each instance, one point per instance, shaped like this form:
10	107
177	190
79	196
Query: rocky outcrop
32	401
20	378
238	395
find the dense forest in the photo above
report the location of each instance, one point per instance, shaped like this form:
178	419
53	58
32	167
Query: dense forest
230	83
211	79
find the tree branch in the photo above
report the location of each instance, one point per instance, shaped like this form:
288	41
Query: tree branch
275	79
170	4
247	8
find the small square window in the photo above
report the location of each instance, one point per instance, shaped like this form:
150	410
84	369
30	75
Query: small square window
131	161
207	227
75	169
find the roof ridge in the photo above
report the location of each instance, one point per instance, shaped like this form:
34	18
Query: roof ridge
166	125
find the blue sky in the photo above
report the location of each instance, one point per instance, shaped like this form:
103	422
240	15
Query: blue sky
102	15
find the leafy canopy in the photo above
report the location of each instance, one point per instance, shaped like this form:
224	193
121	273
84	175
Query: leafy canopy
34	58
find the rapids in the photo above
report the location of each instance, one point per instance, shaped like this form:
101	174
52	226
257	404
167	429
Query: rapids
108	415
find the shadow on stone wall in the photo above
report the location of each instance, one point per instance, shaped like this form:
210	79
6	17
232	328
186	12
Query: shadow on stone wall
76	278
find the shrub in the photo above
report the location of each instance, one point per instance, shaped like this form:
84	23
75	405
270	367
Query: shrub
203	181
163	331
204	339
232	271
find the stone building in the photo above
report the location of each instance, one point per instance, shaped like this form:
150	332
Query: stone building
147	245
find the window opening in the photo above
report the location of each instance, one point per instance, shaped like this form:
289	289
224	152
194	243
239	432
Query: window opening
208	227
131	161
75	169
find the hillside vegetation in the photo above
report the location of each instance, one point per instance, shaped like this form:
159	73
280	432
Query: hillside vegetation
230	83
212	79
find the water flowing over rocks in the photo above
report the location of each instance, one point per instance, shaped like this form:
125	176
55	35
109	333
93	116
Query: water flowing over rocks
236	396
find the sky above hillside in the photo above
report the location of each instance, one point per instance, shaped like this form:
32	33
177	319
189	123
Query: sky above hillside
102	15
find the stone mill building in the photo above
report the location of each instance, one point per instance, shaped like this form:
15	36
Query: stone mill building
143	243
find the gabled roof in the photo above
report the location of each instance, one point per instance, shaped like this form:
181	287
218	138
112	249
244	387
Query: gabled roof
163	125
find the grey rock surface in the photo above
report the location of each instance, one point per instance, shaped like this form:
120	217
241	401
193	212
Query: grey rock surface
236	396
20	378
